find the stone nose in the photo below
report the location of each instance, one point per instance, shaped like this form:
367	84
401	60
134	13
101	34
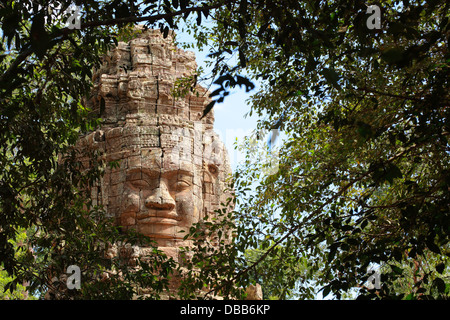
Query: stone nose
160	199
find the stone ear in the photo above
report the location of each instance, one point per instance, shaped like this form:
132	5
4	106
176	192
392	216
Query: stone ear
213	170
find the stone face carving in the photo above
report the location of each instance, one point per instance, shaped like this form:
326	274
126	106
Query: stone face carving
171	166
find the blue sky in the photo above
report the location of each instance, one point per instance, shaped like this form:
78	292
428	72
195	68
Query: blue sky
230	120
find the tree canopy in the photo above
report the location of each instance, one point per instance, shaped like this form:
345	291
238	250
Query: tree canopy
363	179
46	64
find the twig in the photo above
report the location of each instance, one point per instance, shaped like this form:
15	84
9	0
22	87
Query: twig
365	89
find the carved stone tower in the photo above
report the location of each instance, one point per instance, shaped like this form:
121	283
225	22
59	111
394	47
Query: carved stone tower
172	167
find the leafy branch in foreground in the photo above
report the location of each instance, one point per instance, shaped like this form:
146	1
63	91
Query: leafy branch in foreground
363	175
45	79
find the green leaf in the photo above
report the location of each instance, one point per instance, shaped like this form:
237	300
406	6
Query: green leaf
364	129
310	65
242	58
413	252
208	108
231	43
392	172
347	227
393	55
396	269
396	28
432	246
39	38
439	284
122	11
166	32
332	77
326	291
332	252
243	81
440	267
410	296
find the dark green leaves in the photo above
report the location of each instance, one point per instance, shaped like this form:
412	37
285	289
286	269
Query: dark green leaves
331	76
440	267
311	64
439	284
242	58
364	129
40	40
332	251
10	24
392	55
122	11
396	269
225	82
326	291
208	108
366	136
244	81
430	242
392	172
388	172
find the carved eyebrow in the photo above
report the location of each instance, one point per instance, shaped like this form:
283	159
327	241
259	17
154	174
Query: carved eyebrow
149	172
176	174
155	173
184	172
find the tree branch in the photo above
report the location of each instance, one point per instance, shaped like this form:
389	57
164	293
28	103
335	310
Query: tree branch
63	33
293	229
365	89
146	18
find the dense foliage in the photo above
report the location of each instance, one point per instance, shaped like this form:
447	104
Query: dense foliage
46	68
362	181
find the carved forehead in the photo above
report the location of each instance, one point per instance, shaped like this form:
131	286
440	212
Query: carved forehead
187	141
169	146
163	160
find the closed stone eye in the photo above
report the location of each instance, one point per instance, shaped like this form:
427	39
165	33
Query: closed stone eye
181	185
140	184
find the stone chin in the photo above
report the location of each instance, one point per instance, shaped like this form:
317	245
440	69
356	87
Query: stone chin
165	231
